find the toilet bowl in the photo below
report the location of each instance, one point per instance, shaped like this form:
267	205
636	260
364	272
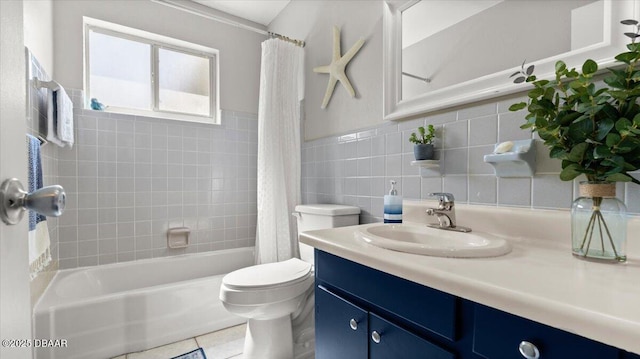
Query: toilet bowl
266	295
277	298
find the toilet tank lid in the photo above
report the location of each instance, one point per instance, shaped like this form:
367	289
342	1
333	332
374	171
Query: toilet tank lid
327	209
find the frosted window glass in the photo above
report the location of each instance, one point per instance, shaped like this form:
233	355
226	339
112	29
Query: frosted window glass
184	81
120	71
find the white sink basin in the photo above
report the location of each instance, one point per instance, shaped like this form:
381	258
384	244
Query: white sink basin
420	239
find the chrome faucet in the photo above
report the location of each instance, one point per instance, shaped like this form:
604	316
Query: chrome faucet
445	213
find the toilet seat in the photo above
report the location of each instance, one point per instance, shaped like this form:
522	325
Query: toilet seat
269	275
267	283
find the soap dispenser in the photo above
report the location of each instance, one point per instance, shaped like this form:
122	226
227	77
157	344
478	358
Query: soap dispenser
393	205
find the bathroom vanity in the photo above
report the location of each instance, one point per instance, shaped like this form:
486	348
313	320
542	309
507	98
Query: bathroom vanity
377	303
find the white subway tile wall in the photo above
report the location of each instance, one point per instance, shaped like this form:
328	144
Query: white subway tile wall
129	179
355	168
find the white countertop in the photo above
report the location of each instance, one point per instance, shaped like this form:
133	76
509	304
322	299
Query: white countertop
539	280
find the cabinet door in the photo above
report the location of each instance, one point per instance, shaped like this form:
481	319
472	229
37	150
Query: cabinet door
341	327
498	335
391	341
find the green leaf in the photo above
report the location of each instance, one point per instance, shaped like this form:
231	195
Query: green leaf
613	139
577	152
618	95
517	106
626	57
576	84
633	47
541	83
619	177
557	152
636	120
622	124
560	66
536	92
604	127
541	123
589	67
580	131
570	172
601	152
588	108
564	118
617	160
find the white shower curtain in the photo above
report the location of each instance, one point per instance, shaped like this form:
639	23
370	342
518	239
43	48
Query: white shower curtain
281	91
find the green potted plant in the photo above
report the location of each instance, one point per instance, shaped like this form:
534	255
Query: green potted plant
423	149
595	131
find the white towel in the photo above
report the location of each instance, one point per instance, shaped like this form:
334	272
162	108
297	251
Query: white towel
59	117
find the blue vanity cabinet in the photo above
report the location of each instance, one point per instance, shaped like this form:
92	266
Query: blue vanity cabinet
498	335
414	321
409	301
343	327
395	342
344	330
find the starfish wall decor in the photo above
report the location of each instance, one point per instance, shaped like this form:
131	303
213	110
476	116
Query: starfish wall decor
337	66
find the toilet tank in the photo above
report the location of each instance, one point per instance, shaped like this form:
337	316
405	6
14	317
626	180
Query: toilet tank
322	216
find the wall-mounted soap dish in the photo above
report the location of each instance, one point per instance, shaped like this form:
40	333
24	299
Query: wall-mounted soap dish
428	168
178	237
513	158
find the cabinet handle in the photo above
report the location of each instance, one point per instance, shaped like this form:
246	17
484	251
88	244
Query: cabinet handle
528	350
353	324
375	336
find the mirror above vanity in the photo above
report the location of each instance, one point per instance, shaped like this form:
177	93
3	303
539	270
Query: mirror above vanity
441	53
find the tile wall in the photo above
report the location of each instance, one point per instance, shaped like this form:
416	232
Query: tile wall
129	179
355	168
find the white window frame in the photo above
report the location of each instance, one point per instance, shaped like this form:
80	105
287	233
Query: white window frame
156	42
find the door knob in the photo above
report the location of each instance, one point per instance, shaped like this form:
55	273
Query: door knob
14	200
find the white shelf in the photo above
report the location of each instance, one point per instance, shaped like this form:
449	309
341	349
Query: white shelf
428	168
426	163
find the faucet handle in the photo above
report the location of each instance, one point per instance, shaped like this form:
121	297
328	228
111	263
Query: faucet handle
443	197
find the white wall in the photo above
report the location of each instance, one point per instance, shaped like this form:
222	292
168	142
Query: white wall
15	307
313	21
38	31
239	49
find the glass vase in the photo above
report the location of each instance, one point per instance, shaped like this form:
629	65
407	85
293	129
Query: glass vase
599	223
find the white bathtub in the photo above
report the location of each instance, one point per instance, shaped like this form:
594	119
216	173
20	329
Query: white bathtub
113	309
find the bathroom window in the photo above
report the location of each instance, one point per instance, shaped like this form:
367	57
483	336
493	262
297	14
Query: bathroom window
143	76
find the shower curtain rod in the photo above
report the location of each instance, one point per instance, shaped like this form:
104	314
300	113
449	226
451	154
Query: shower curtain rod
222	17
287	39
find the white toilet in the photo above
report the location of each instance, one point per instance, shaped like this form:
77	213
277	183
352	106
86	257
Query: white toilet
277	298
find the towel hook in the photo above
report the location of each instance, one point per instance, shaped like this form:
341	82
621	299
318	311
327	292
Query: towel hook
14	200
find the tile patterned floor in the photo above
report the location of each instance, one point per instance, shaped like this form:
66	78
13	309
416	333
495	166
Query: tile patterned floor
223	344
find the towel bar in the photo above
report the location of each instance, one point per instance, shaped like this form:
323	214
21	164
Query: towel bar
52	85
